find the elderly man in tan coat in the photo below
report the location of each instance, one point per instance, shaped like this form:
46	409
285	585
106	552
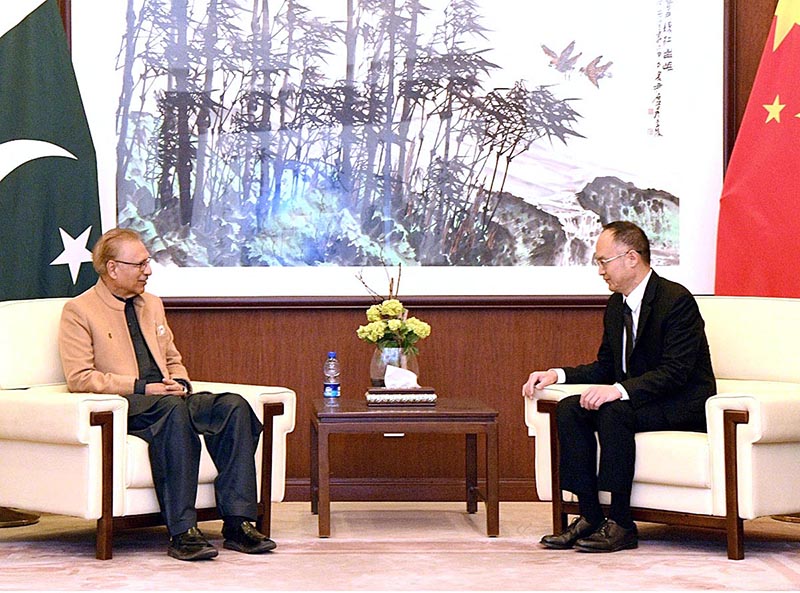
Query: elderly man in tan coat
114	338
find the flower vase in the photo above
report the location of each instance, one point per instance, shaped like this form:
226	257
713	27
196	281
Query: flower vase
384	357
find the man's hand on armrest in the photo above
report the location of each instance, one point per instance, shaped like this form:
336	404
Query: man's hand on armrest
539	380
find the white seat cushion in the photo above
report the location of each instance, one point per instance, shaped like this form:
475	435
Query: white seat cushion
673	457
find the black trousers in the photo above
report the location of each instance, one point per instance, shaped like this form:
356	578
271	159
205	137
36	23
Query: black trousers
171	425
616	424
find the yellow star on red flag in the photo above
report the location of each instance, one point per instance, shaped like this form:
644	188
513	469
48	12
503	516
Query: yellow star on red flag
788	15
774	109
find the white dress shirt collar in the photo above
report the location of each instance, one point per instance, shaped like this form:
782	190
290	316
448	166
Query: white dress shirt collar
634	299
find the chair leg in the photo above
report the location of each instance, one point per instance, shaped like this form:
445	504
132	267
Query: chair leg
734	523
264	521
558	513
105	524
735	538
104	538
559	516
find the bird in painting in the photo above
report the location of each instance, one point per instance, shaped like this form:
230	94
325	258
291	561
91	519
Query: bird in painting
564	61
594	71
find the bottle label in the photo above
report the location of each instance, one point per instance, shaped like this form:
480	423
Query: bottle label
331	390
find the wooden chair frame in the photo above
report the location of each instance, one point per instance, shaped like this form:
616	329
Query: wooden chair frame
107	523
731	522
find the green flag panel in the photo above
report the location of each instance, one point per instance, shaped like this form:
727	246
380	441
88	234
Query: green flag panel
49	206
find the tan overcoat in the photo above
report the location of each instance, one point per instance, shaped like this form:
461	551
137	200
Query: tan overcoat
96	347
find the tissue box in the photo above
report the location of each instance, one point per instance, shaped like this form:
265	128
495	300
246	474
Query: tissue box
389	396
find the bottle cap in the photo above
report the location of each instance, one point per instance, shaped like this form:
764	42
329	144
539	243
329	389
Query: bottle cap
331	354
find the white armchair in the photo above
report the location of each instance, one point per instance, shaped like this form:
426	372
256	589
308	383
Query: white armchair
746	466
70	454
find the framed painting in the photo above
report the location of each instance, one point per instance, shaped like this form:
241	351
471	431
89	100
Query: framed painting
309	148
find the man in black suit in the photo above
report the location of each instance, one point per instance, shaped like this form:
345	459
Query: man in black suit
663	385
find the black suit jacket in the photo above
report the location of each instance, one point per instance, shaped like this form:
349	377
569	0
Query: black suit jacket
670	366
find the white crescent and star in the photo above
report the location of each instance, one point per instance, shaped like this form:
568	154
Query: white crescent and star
15	153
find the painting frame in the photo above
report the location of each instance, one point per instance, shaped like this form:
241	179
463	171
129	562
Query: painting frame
431	283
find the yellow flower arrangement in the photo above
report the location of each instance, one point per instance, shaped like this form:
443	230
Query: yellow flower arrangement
390	326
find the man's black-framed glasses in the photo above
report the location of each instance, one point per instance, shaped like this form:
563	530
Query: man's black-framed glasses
142	265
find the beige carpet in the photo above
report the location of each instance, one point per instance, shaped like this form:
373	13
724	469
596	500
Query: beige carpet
400	547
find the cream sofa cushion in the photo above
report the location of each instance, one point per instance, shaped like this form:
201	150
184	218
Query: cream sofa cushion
29	344
752	338
673	457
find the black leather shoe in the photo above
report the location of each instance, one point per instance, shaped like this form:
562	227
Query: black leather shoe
579	528
611	537
191	545
246	538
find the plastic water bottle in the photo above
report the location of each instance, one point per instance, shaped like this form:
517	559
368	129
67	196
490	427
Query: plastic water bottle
331	387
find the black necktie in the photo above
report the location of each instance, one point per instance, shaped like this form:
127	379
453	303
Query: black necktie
627	316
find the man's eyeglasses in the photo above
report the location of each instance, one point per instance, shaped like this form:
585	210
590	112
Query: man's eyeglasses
142	265
602	262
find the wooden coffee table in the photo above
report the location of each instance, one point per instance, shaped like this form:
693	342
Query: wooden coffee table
452	416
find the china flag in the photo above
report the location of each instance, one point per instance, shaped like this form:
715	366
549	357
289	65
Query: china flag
758	241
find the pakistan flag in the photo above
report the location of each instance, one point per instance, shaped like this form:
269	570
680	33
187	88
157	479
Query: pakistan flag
49	207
